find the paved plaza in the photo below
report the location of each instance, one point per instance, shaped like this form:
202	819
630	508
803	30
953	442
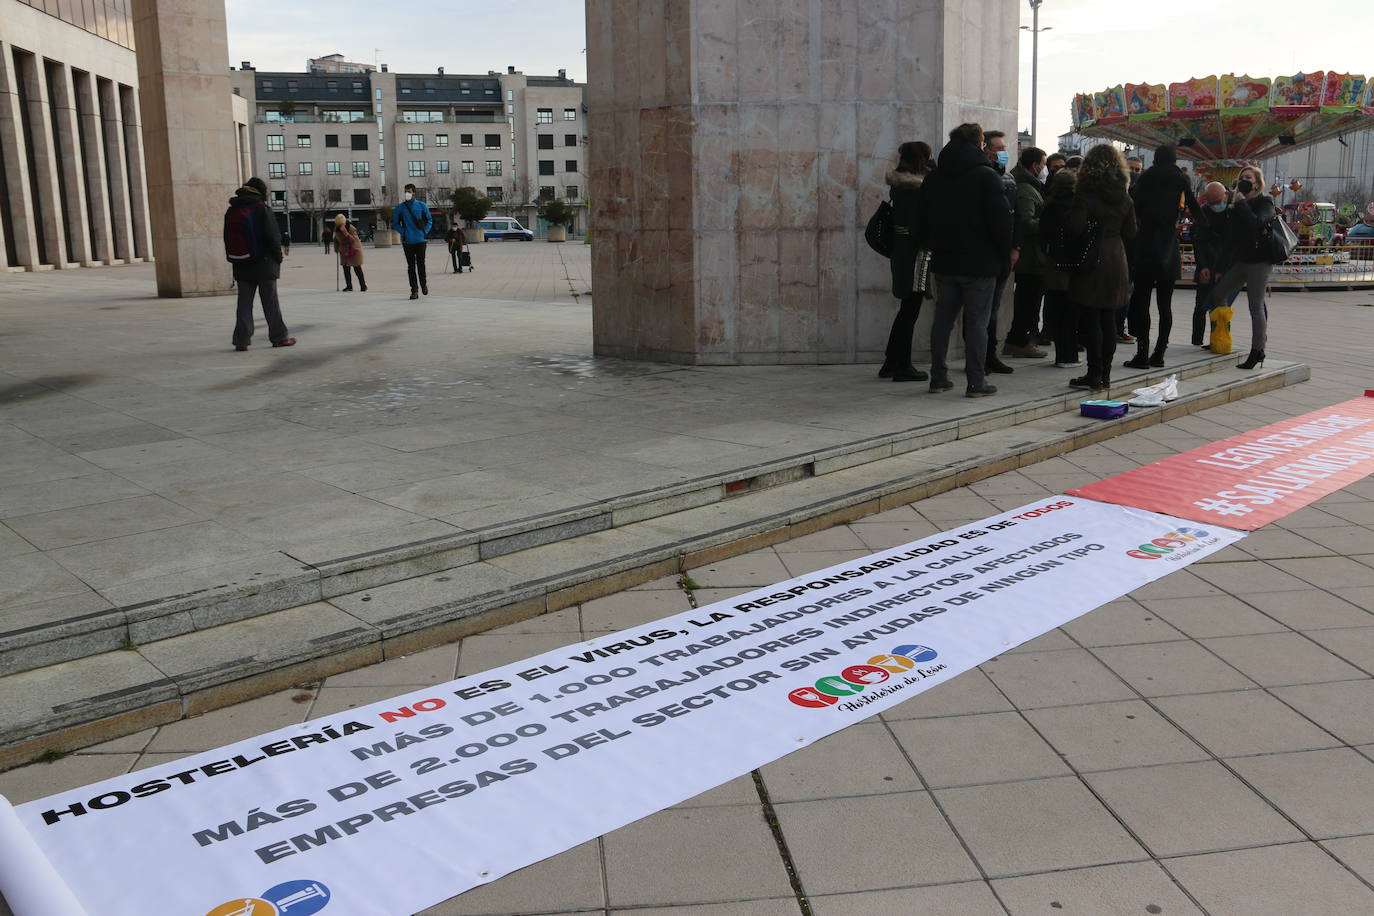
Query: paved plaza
1203	745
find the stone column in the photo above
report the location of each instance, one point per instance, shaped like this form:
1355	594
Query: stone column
138	194
739	146
93	157
16	163
116	170
70	168
44	162
188	140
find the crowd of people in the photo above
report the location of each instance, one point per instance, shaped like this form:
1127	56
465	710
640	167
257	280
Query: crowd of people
1088	242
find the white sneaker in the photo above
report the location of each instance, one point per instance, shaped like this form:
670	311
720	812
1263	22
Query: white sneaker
1073	365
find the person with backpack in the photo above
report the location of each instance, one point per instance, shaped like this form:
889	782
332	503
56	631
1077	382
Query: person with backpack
1099	227
910	262
1157	262
252	244
350	249
412	220
966	223
1247	237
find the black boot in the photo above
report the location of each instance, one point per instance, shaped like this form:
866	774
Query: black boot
1157	357
1256	358
1141	360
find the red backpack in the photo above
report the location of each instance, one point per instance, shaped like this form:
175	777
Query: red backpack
242	237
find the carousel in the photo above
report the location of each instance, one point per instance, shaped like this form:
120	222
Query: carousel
1221	124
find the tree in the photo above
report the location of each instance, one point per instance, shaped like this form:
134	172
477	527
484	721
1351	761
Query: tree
287	109
555	212
470	205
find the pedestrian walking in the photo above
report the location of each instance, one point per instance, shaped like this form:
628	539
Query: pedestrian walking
1102	208
910	261
1030	264
327	237
966	223
350	248
1156	263
252	244
1247	229
1062	313
457	240
413	221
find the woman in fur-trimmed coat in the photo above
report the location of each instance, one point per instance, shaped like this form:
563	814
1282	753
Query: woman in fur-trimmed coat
346	237
910	264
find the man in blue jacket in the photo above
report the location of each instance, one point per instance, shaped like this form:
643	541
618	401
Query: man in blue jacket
412	220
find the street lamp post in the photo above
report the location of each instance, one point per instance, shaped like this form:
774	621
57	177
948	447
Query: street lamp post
1035	31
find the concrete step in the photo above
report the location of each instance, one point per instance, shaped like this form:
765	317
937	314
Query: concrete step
255	632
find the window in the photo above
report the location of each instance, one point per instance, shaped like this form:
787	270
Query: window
415	141
305	197
333	196
543	116
545	166
358	86
362	196
545	141
267	84
510	95
415	169
570	165
546	192
302	141
405	87
342	114
419	116
379	93
332	168
493	141
331	85
278	197
358	141
570	192
569	114
276	170
275	143
489	91
331	140
495	195
468	166
570	139
441	139
305	168
465	139
362	169
291	86
493	166
274	116
441	167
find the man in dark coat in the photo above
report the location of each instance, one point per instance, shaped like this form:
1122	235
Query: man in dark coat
966	224
995	146
1210	251
258	274
1156	263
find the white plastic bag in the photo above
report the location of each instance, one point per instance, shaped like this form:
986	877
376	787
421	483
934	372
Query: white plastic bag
1156	395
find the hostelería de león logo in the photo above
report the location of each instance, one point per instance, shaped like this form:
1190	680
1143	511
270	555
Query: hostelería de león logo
1169	545
855	679
290	898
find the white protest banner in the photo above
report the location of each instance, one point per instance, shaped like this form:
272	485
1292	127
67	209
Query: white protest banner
390	808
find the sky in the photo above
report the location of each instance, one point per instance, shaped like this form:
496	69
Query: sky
1089	45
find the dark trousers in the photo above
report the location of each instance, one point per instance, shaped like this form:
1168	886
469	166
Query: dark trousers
1202	303
898	353
1150	279
1098	327
415	265
348	276
997	292
453	253
972	295
266	289
1062	319
1025	319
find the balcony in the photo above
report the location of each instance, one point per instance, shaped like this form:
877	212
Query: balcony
462	117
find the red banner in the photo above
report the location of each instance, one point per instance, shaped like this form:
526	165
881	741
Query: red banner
1250	480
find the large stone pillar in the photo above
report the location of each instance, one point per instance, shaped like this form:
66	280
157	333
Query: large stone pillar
739	146
188	141
25	222
93	155
68	132
116	170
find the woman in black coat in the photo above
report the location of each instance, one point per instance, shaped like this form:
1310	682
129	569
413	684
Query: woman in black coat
1157	263
1247	226
910	264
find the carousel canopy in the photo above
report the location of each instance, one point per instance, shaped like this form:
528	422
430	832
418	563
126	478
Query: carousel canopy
1230	119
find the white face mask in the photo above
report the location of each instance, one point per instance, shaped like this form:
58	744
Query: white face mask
409	195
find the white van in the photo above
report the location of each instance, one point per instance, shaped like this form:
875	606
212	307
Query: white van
504	227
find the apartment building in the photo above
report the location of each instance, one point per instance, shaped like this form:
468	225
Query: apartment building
348	142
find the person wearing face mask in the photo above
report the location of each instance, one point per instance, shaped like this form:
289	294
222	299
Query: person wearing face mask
411	218
1209	250
1248	219
1054	163
995	147
1156	264
1136	166
1030	266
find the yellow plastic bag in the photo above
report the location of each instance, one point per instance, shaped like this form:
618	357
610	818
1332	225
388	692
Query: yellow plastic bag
1220	318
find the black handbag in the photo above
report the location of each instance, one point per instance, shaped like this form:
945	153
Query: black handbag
879	232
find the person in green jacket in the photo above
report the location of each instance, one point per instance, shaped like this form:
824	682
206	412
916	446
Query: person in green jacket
1030	266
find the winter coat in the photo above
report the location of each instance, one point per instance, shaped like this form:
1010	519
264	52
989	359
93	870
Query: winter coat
1209	241
964	218
349	232
269	266
1057	202
904	189
1248	218
1108	284
1030	201
412	220
1157	194
456	238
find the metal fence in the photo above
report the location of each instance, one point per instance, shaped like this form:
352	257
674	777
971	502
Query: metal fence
1348	266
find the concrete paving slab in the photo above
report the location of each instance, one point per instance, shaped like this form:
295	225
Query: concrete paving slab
1137	887
863	760
1343	709
67	527
567	882
971	898
1165	669
1243	722
1272	881
1280	659
1035	679
1357	854
970	750
1120	623
1328	793
1107	736
1311	610
234	723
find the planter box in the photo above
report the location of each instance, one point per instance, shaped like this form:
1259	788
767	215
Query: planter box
475	236
558	233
